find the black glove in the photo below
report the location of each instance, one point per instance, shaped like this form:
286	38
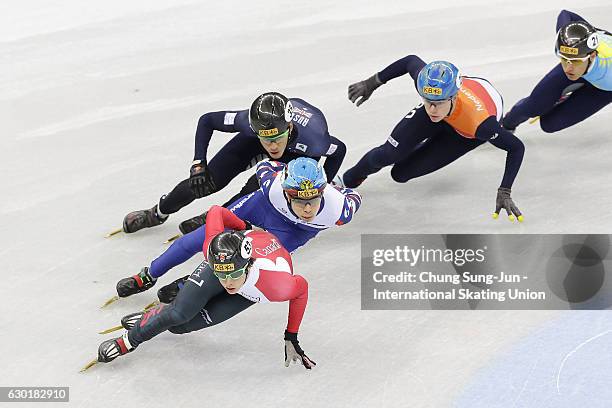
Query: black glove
505	201
293	351
363	89
200	181
135	284
166	294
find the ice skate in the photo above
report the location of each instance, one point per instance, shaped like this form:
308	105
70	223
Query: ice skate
137	220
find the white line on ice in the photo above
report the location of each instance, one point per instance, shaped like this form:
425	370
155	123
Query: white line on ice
575	350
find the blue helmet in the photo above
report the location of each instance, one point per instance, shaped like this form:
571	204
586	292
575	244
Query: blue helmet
304	178
438	81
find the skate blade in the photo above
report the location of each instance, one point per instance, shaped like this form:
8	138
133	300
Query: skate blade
112	329
89	365
113	232
109	301
534	120
171	239
151	305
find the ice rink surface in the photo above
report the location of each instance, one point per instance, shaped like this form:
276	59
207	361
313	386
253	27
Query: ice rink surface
98	107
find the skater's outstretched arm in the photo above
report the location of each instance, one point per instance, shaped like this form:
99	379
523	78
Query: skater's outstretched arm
361	91
491	131
207	124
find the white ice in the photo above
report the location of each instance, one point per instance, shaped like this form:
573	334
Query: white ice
98	106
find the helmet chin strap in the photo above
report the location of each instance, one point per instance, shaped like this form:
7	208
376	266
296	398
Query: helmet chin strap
451	107
588	65
293	133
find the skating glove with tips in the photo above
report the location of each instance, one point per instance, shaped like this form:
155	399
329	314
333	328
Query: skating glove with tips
293	352
363	89
505	201
200	180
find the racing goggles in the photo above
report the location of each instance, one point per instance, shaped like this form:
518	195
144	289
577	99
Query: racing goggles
271	139
436	102
302	197
572	61
302	203
237	274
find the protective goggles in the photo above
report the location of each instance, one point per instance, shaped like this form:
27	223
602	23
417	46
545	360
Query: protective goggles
237	274
436	102
572	61
270	139
302	203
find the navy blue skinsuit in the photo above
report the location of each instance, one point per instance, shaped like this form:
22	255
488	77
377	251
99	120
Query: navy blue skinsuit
418	146
310	138
558	101
201	303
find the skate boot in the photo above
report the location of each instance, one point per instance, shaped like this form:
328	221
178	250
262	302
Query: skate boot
135	284
131	320
193	224
167	293
113	348
137	220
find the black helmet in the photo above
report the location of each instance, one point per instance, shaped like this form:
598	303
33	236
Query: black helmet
576	40
270	114
229	251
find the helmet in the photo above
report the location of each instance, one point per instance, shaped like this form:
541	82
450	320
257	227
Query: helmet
229	251
270	115
576	40
438	81
304	178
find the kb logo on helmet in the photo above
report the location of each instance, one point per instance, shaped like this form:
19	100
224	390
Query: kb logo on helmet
568	50
268	132
308	194
224	267
429	90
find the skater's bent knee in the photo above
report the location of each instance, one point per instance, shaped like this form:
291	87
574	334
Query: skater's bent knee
176	316
549	126
179	329
398	176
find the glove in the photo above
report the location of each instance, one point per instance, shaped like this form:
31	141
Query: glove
293	351
166	294
200	181
363	89
505	201
135	284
